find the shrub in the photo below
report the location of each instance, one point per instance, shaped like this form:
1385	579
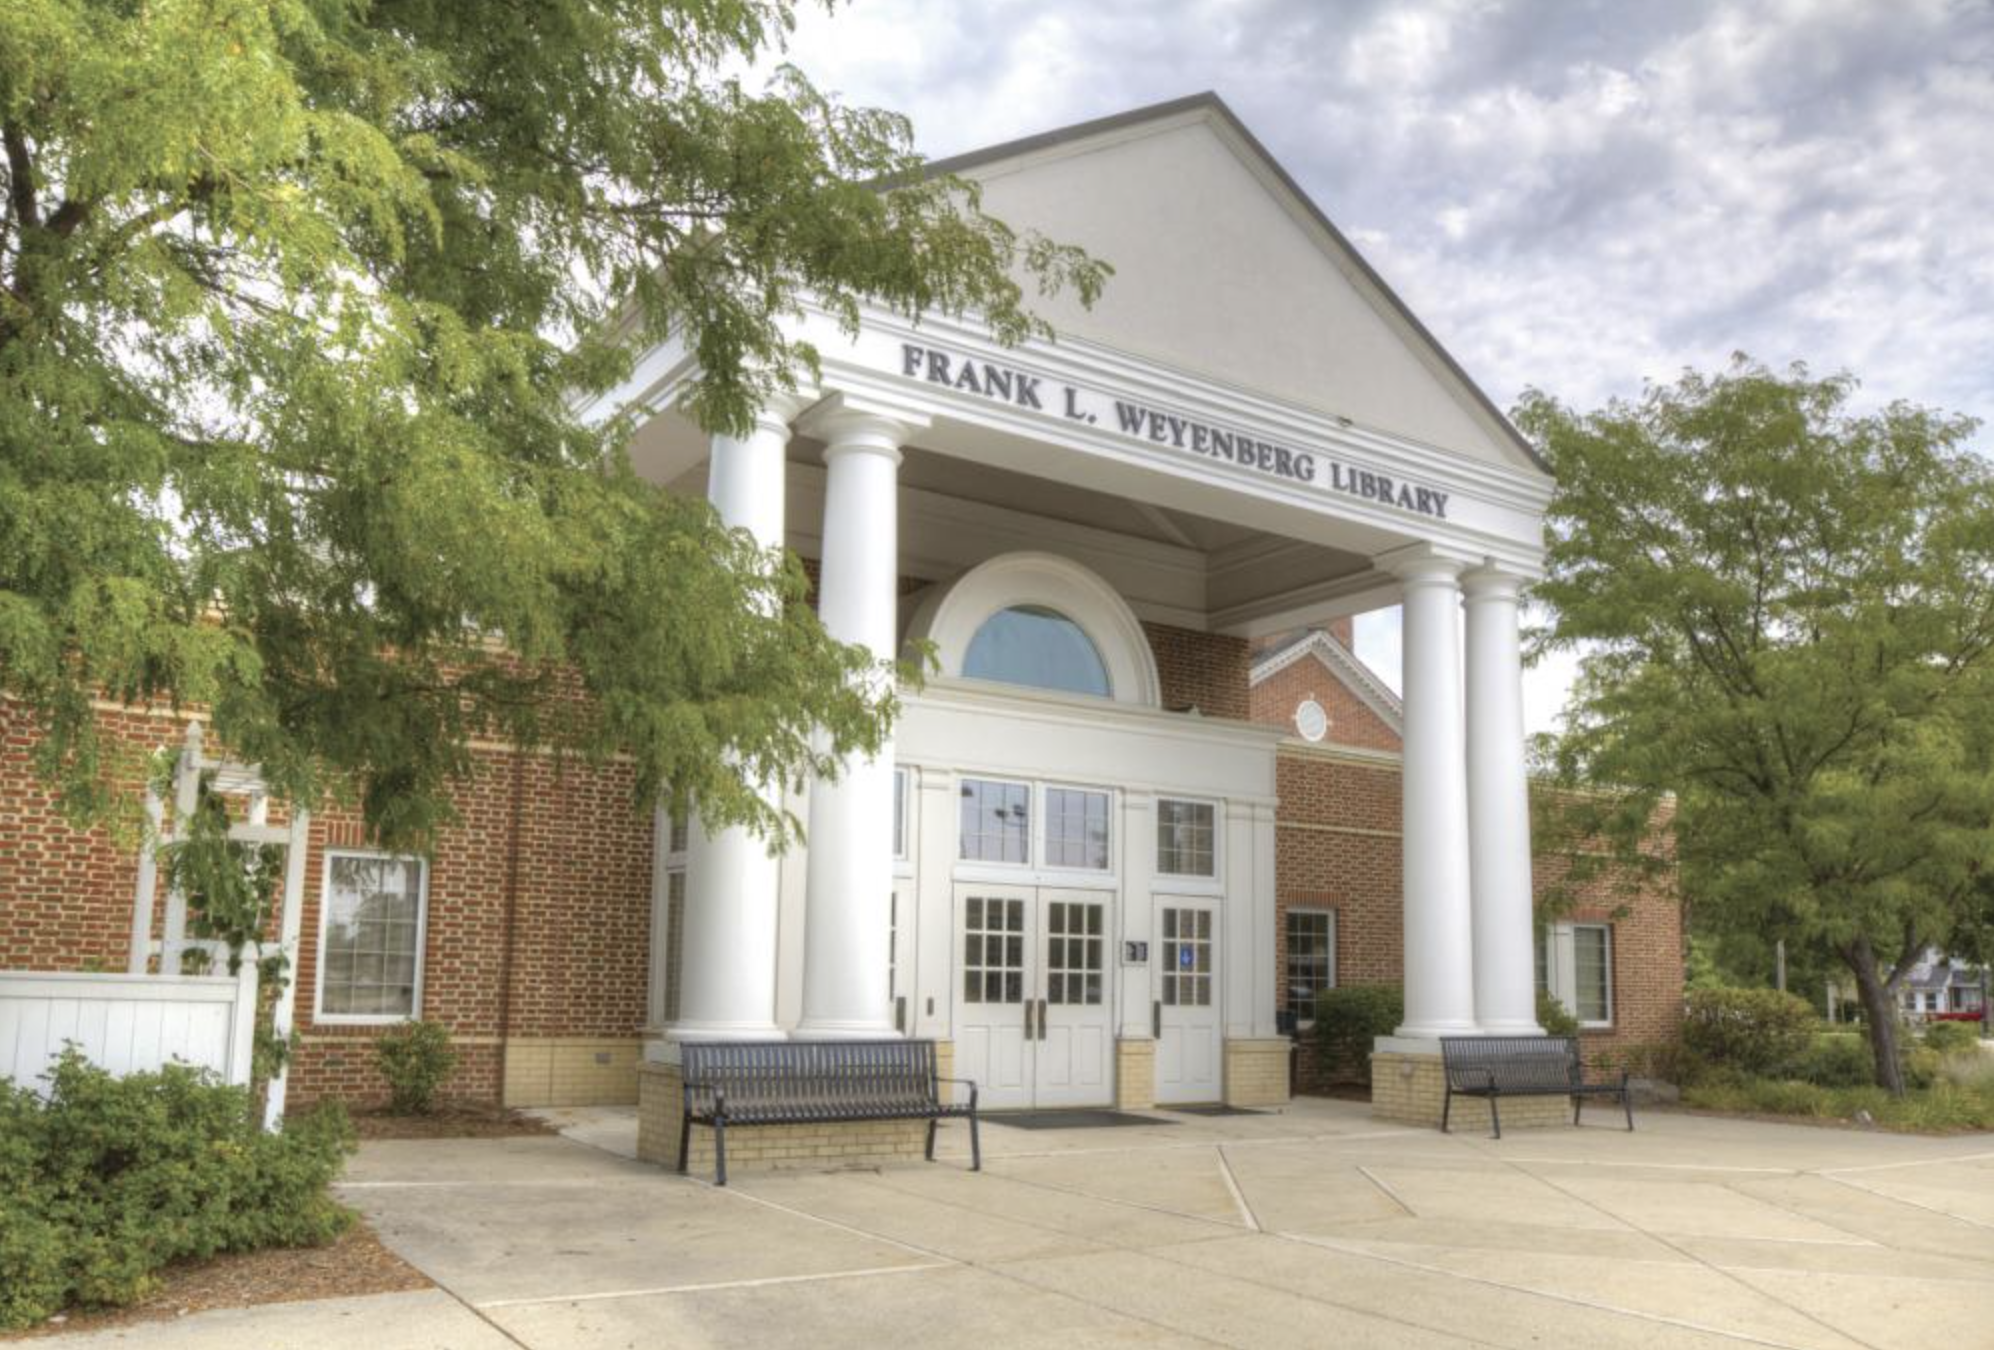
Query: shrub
1950	1037
1554	1017
1972	1069
1920	1065
415	1058
1836	1060
1348	1019
1756	1031
109	1179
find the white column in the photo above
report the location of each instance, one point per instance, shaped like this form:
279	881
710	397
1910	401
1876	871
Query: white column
1499	809
850	880
727	971
1439	960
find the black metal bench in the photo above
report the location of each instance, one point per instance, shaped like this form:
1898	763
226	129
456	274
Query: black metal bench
808	1082
1494	1067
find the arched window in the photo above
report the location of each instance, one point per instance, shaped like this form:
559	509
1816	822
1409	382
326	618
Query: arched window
1033	645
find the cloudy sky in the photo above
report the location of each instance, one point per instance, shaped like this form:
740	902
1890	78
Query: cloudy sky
1574	195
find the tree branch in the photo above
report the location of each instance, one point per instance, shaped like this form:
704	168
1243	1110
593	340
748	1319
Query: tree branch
20	176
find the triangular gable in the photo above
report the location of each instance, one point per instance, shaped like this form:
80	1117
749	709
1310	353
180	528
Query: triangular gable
1225	267
1343	665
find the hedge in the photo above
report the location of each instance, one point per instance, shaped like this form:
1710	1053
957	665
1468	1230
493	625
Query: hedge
106	1180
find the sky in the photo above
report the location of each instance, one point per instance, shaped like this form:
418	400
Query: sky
1575	196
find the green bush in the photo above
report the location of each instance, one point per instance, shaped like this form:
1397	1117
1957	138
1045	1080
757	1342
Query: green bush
1942	1107
415	1058
1349	1019
1920	1065
1836	1060
1950	1037
1759	1032
1554	1017
109	1179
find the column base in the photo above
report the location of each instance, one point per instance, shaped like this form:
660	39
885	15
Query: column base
1409	1087
1529	1028
1135	1074
846	1031
1433	1031
723	1031
1256	1070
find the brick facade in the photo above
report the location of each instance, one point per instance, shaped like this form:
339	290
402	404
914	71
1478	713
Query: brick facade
539	895
1352	721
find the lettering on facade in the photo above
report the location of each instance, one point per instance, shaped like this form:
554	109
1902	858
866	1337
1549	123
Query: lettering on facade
1160	426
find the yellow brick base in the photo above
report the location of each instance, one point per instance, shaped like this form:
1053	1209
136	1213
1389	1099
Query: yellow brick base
1135	1075
571	1071
824	1146
1411	1089
1256	1071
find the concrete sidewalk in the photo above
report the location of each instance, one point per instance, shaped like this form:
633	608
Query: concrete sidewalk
1313	1226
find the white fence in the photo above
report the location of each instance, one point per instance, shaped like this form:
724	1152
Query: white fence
127	1023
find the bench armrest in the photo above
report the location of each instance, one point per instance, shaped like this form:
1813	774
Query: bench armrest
969	1083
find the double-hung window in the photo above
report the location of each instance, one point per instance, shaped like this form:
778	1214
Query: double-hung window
371	919
1311	960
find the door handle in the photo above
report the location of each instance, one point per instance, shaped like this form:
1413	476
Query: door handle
1028	1020
1156	1019
1041	1019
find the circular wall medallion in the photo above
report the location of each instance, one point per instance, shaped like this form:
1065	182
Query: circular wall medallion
1311	720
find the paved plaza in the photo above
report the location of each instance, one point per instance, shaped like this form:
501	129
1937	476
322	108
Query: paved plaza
1313	1226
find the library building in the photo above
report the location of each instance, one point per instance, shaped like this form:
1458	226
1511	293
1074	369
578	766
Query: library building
1150	801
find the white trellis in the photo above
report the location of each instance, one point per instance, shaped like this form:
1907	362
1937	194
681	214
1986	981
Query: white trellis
255	829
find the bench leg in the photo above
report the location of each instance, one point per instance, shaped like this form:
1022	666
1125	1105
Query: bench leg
1495	1115
975	1147
1627	1105
719	1153
685	1142
1446	1109
932	1123
1578	1106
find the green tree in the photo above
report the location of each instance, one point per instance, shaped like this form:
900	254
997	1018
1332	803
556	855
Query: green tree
297	301
1785	608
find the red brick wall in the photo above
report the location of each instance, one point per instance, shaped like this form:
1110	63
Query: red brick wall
1351	721
1337	846
580	878
1207	671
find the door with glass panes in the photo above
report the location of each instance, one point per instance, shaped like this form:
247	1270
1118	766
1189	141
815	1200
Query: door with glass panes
1032	999
1188	1036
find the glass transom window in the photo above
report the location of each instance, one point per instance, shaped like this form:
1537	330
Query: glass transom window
1036	646
996	821
1184	839
1076	829
372	929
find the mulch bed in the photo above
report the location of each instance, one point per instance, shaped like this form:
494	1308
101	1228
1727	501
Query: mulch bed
354	1263
451	1120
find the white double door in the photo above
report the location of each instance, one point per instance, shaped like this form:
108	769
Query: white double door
1033	1002
1189	1039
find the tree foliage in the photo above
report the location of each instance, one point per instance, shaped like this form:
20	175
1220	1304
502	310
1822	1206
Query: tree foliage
1786	610
297	301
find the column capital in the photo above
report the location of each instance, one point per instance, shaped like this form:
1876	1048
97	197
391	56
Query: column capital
781	408
1416	563
1491	583
848	424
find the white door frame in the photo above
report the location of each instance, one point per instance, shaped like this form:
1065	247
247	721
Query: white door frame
1190	1041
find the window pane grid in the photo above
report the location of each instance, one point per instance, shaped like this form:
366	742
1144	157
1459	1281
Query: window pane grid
993	955
1184	838
1592	972
372	919
1076	830
1311	960
1074	953
996	821
1187	958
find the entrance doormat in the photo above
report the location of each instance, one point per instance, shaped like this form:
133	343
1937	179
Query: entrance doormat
1070	1120
1211	1109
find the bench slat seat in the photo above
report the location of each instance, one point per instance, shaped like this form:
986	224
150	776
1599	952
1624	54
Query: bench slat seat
814	1082
1493	1067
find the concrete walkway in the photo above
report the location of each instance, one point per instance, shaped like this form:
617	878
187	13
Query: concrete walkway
1311	1227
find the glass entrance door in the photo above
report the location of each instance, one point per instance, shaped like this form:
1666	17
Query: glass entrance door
1032	1001
1189	1040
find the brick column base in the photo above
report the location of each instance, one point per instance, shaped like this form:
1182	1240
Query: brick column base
1411	1089
1135	1075
821	1146
1256	1071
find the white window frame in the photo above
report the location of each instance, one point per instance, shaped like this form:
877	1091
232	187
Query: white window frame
1302	1023
671	862
320	1017
1561	968
1192	883
1010	870
1042	839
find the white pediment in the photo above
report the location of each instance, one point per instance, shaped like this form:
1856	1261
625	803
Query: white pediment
1223	267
